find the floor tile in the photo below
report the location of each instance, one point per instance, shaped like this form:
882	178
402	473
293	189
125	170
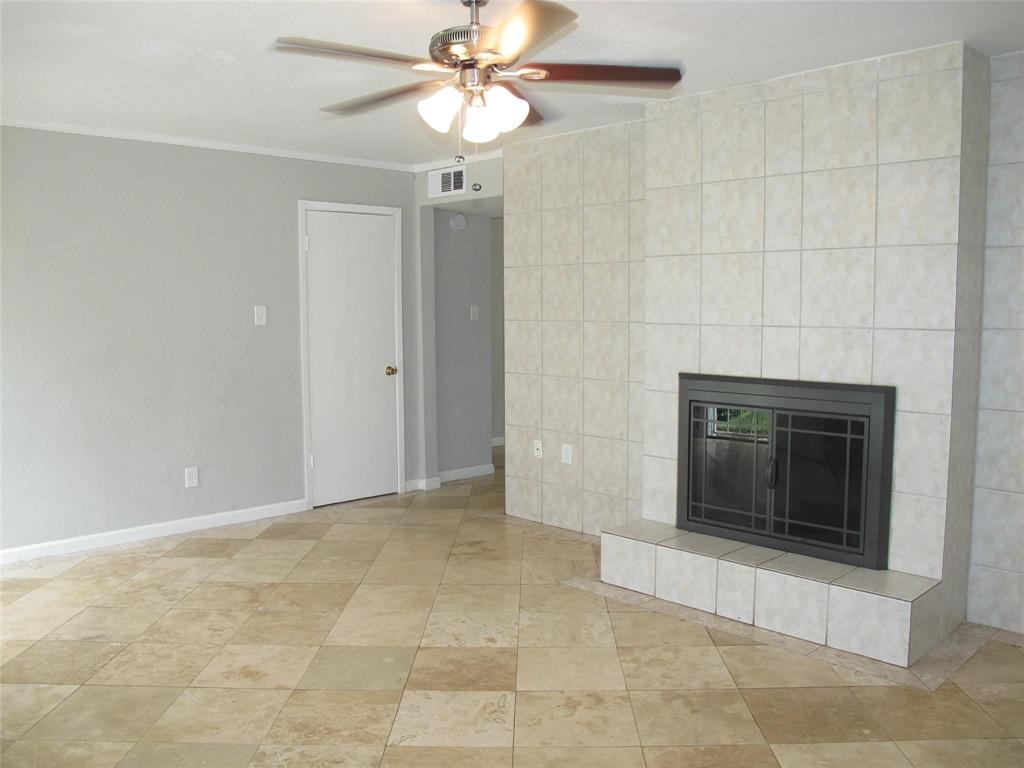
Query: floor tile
336	717
275	549
737	756
464	669
9	649
575	719
285	628
378	627
435	549
454	719
468	630
392	597
305	756
762	666
108	565
105	713
909	714
226	595
118	625
359	668
256	666
329	571
65	754
994	663
195	626
218	716
170	569
427	501
880	754
68	592
405	572
252	570
477	598
59	662
12	589
23	705
1004	702
539	629
313	531
322	598
813	715
579	757
553	571
447	757
633	629
967	753
170	755
468	570
569	669
678	667
681	718
135	592
345	550
200	547
720	637
32	622
360	532
551	597
156	664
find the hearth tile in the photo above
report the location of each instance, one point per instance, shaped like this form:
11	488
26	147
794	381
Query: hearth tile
805	567
650	531
791	604
735	592
701	544
900	586
871	625
686	578
628	563
752	554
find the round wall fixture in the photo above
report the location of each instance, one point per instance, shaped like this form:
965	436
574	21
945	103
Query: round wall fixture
457	222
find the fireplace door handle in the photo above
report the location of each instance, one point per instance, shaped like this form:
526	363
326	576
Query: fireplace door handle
771	472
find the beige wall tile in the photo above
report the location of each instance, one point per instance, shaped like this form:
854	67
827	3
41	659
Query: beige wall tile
1005	205
781	302
563	349
562	179
919	117
732	216
522	185
836	288
946	56
673	220
917	202
602	512
605	408
606	232
1007	126
522	346
730	288
677	350
606	351
839	208
522	293
519	458
783	141
915	286
732	143
659	489
921	454
562	236
1004	285
1002	370
637	286
637	230
604	466
522	239
730	350
563	404
523	498
835	354
840	128
561	507
637	168
661	424
919	364
606	292
523	399
554	469
783	206
562	290
672	292
673	151
780	353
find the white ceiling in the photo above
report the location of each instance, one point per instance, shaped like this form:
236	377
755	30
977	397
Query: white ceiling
204	73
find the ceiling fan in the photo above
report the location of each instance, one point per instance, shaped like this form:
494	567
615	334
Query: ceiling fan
478	65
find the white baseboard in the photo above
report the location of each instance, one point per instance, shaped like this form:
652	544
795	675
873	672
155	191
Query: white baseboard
497	441
152	531
422	484
464	472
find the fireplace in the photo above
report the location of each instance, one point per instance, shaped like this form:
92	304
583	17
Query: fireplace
799	466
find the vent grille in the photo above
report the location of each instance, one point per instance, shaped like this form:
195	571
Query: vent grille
446	181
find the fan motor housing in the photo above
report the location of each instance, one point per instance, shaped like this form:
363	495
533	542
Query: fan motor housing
455	46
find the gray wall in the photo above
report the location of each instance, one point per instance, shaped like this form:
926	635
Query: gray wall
462	276
498	329
130	270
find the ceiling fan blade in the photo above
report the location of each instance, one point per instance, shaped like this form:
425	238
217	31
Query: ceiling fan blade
371	100
533	117
327	48
530	24
657	77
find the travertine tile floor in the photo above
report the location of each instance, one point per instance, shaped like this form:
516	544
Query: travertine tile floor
430	630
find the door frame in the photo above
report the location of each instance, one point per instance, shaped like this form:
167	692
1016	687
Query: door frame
307	206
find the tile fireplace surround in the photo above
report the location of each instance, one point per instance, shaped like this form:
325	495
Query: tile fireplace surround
826	226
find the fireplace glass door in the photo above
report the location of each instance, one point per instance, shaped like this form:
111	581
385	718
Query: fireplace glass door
780	473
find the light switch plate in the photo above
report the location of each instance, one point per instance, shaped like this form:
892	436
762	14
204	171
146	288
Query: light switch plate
538	449
259	314
474	313
566	453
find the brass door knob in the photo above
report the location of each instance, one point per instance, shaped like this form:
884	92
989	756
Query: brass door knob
390	370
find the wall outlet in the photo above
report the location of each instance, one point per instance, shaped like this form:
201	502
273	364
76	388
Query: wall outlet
474	313
566	453
538	449
259	314
191	477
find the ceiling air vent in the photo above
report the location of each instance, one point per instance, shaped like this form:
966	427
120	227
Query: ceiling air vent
446	181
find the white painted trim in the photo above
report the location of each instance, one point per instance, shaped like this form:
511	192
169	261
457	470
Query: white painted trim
305	206
497	441
464	472
422	484
477	158
159	138
151	531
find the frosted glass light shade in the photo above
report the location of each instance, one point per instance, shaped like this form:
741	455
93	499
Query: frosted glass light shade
508	110
481	125
439	109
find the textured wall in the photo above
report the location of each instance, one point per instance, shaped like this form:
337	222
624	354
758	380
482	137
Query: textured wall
996	593
573	277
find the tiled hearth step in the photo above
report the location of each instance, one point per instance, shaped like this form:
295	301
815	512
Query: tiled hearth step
885	615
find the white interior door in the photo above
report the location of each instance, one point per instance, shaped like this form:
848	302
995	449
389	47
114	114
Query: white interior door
352	294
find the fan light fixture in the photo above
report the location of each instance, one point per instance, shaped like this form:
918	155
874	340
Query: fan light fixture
489	112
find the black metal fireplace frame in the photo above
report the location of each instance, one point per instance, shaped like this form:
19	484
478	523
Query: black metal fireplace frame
877	403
